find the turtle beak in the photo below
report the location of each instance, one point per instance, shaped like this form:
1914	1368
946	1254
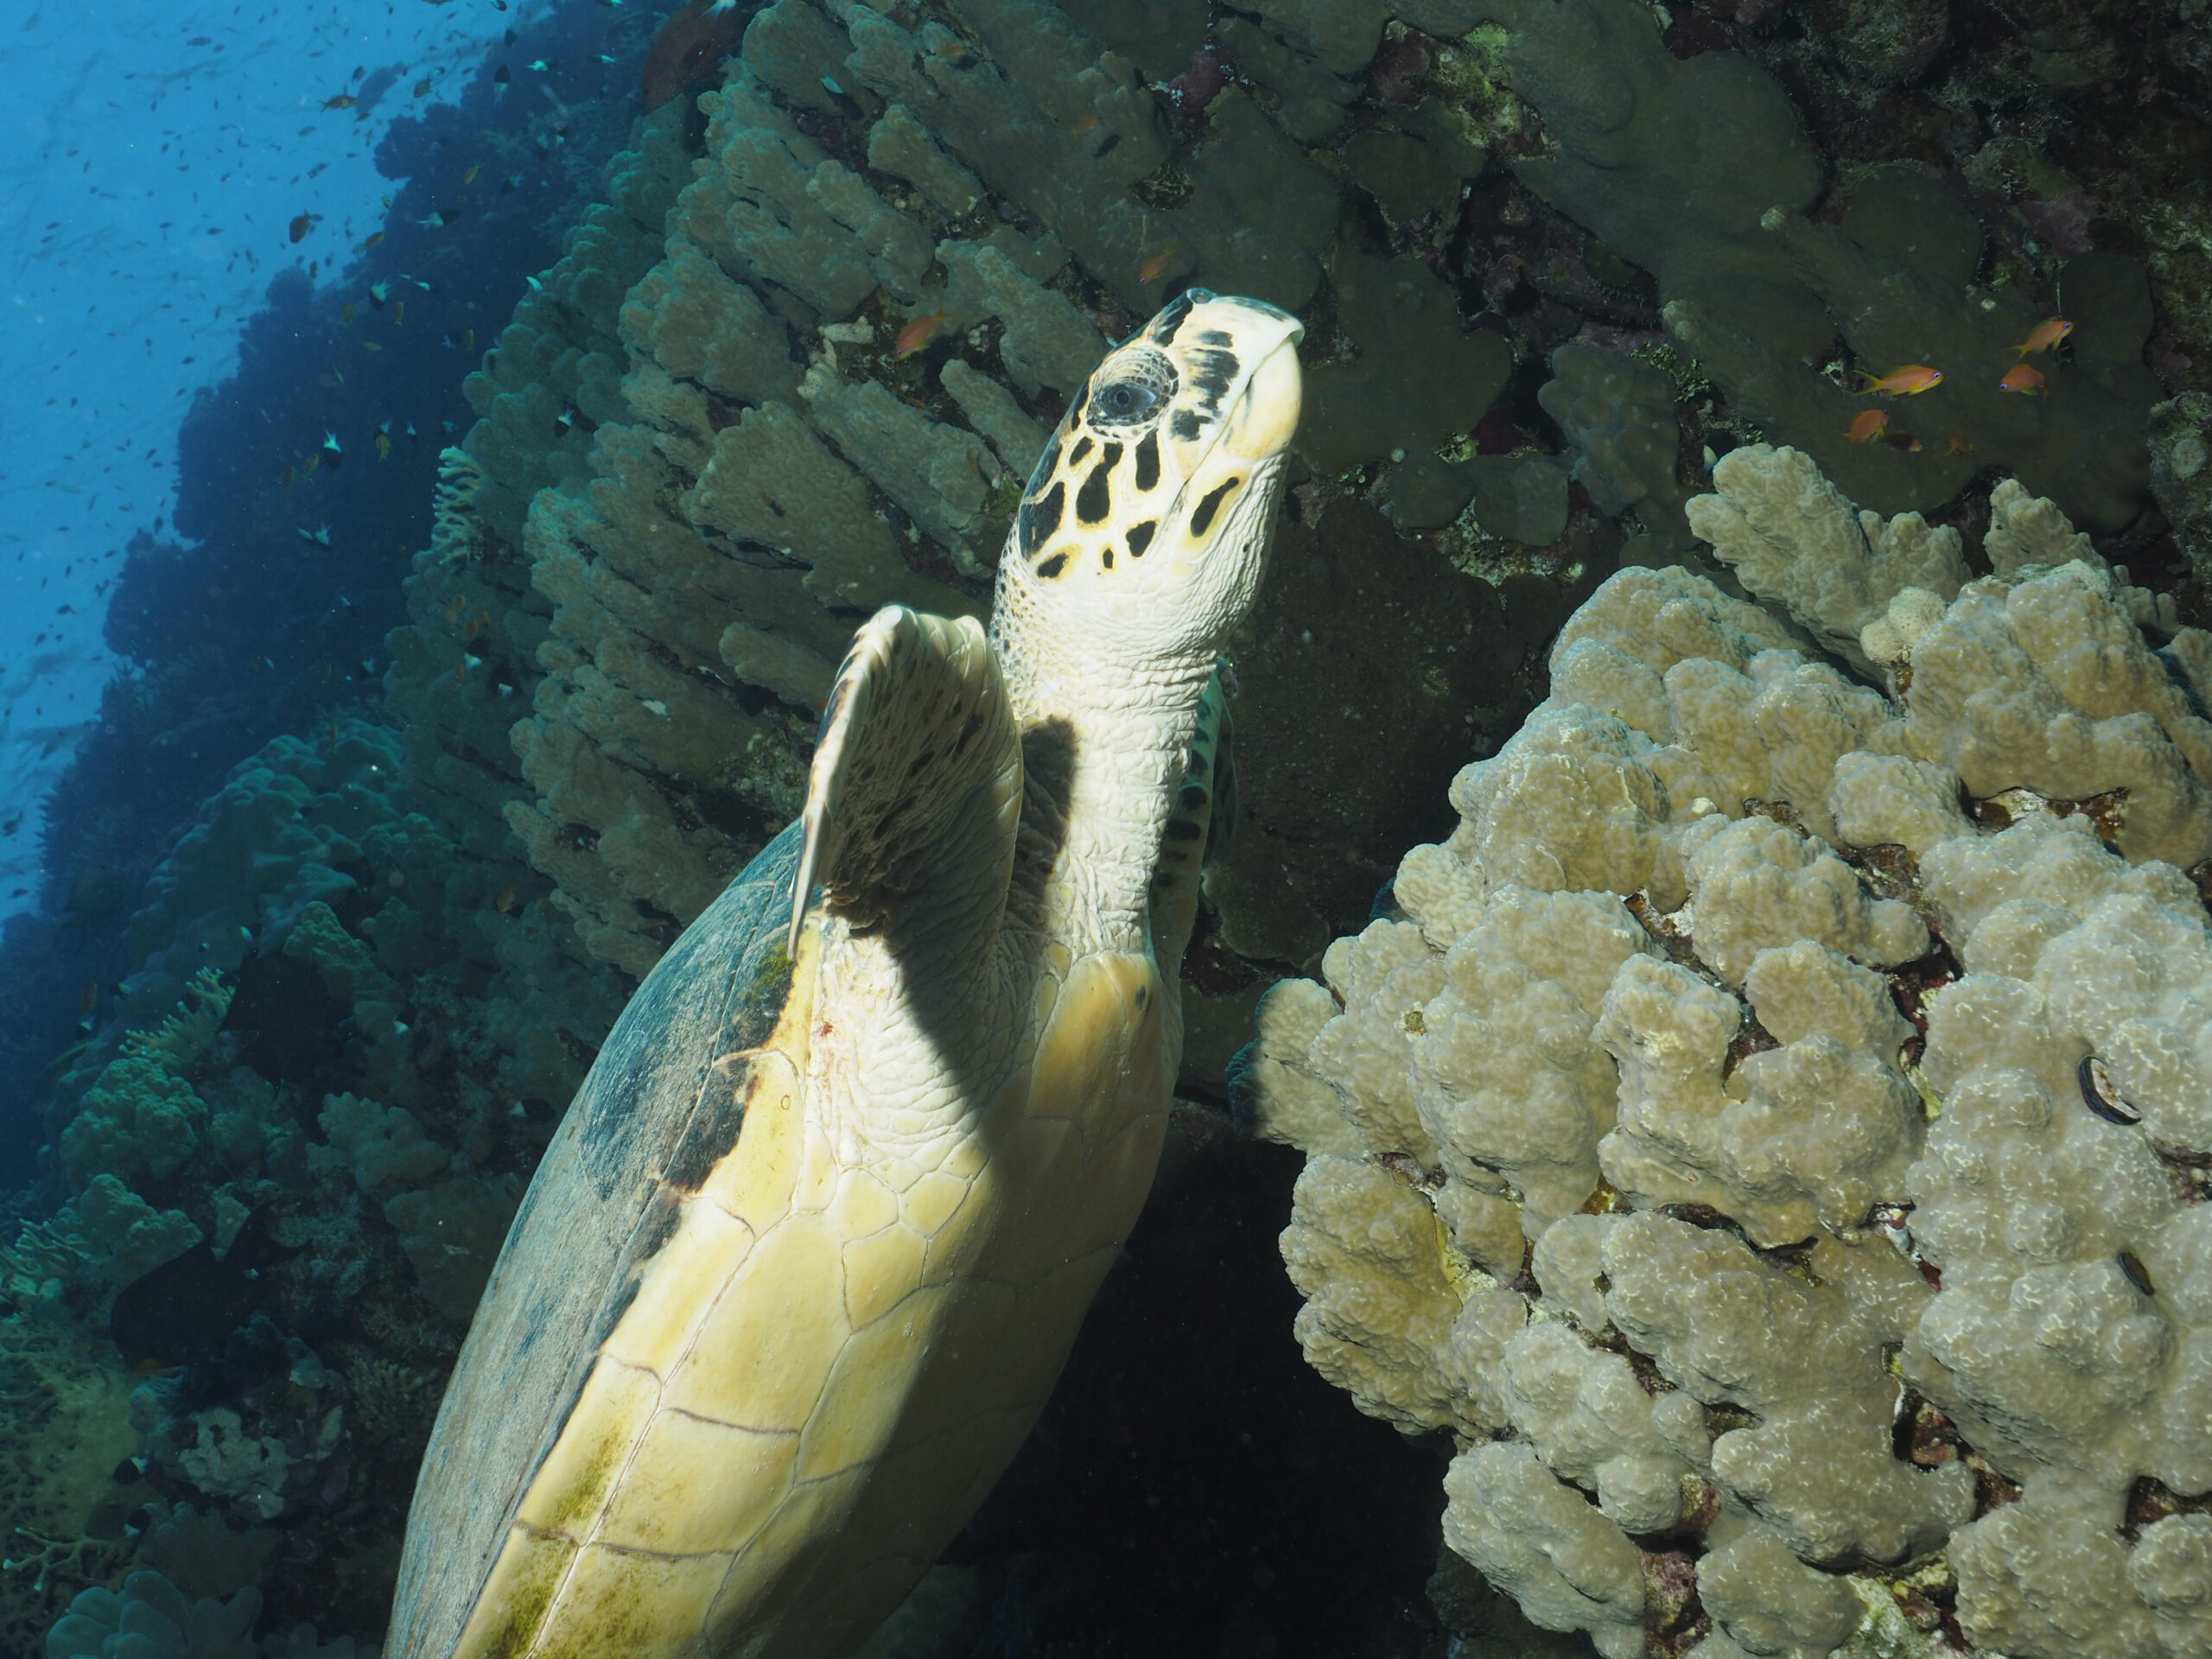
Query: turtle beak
1267	410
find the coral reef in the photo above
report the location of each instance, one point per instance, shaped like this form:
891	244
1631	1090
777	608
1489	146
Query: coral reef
1768	1132
62	1436
1698	171
151	1618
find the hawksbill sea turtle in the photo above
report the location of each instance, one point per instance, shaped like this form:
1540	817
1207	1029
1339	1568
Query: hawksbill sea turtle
810	1249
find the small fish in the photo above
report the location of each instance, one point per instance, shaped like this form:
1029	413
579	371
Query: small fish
539	65
398	312
384	447
1152	267
346	312
374	237
1867	425
502	76
505	901
332	448
319	537
308	466
1089	123
469	177
918	332
87	999
691	44
1908	382
377	294
302	224
2047	334
422	87
286	479
343	101
2025	377
1955	445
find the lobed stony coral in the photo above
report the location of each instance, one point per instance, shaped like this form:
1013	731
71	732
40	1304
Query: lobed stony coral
1769	1134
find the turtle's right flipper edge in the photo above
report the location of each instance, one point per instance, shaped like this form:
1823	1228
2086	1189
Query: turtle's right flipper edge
917	773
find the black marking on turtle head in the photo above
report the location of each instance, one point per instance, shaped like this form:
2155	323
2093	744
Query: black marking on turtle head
1140	536
1172	318
1106	556
1096	499
1040	517
1216	337
1202	519
1051	567
1215	372
1082	448
1183	425
1148	460
1047	464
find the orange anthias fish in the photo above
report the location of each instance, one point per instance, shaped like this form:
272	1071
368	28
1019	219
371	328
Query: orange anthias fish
2048	333
690	46
920	332
1154	266
1955	445
1908	382
2025	377
1866	425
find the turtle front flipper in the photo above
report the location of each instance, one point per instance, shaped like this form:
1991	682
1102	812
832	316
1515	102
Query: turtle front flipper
916	776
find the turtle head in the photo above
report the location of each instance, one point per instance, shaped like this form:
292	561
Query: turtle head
1145	522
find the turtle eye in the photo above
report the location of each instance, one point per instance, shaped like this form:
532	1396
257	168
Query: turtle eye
1124	400
1137	388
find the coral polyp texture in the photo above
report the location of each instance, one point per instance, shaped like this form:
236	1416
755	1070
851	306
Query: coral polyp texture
1770	1134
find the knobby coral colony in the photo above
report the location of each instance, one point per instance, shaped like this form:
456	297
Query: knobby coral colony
1778	1111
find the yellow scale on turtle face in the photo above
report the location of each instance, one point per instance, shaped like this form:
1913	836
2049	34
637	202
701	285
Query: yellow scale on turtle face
772	1321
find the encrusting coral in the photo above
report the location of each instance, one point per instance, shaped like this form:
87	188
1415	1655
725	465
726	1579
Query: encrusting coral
1770	1133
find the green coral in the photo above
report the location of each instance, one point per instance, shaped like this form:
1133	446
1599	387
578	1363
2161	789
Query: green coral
141	1117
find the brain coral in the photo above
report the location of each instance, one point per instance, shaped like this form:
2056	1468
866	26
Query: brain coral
1770	1134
